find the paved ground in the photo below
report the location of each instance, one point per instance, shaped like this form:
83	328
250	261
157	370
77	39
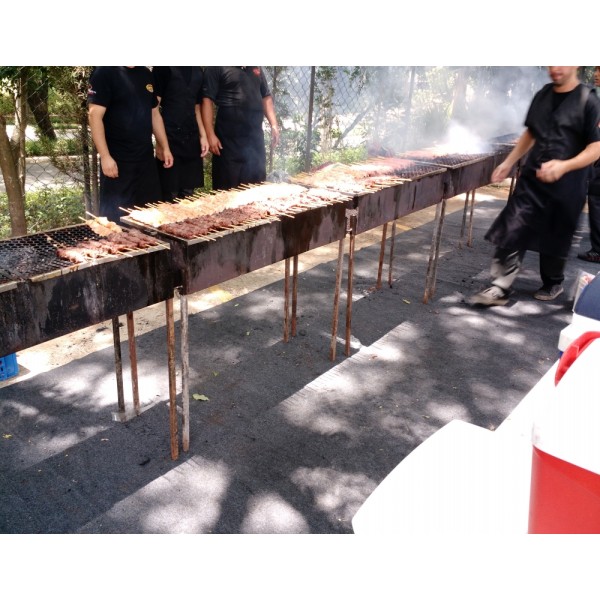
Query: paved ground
287	441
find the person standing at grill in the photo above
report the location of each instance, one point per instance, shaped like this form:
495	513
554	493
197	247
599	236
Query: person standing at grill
236	139
179	92
593	200
123	114
563	139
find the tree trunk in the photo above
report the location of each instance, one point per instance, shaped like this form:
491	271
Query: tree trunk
10	173
18	137
37	98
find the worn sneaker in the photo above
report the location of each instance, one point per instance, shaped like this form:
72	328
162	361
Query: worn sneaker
590	256
492	296
549	292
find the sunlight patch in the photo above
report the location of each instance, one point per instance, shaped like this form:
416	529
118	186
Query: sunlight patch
269	513
338	495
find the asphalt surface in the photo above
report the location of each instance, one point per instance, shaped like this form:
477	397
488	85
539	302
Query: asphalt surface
283	440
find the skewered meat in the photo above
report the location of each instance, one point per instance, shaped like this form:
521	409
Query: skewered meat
117	242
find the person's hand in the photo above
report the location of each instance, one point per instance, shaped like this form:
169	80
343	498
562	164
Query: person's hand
214	144
167	159
274	136
160	153
551	171
203	146
109	166
500	173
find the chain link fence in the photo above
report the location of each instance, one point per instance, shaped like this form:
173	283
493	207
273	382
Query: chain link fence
344	114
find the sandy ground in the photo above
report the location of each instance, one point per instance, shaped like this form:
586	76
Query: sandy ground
61	351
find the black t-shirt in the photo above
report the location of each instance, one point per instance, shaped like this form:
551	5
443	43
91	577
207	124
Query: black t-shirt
162	77
129	97
239	87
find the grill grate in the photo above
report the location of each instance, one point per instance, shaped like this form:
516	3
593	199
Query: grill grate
31	255
448	160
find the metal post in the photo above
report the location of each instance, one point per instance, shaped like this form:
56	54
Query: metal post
464	220
336	299
470	236
434	251
172	383
185	373
381	256
294	293
352	215
133	361
392	241
118	365
286	300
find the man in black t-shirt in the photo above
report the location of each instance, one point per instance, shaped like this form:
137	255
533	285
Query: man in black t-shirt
179	92
236	141
593	200
562	139
123	112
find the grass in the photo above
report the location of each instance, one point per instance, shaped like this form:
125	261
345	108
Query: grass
46	209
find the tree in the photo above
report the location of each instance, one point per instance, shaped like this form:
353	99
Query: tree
12	151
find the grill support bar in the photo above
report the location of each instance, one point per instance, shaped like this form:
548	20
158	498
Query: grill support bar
133	358
336	300
185	373
440	212
392	240
172	381
352	218
381	256
294	293
118	367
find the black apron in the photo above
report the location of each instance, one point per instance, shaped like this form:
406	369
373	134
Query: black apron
544	216
243	157
178	112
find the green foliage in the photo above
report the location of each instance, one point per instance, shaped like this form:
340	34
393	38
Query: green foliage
342	155
46	209
61	147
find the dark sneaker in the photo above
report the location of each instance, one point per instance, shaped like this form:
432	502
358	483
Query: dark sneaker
492	296
590	256
549	292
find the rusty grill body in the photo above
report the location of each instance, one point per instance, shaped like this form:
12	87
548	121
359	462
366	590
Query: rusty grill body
43	297
465	172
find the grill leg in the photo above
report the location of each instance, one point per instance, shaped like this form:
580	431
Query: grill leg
470	236
336	300
434	252
350	282
172	381
294	294
185	374
133	360
118	366
392	240
381	256
464	220
286	301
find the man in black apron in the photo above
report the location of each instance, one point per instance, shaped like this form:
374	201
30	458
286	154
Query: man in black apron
179	92
593	255
123	113
236	139
563	139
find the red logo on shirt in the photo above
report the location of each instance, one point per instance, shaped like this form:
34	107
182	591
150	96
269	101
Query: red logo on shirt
256	71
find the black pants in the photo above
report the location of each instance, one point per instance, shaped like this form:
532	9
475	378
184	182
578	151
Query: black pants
594	215
136	185
507	263
180	180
